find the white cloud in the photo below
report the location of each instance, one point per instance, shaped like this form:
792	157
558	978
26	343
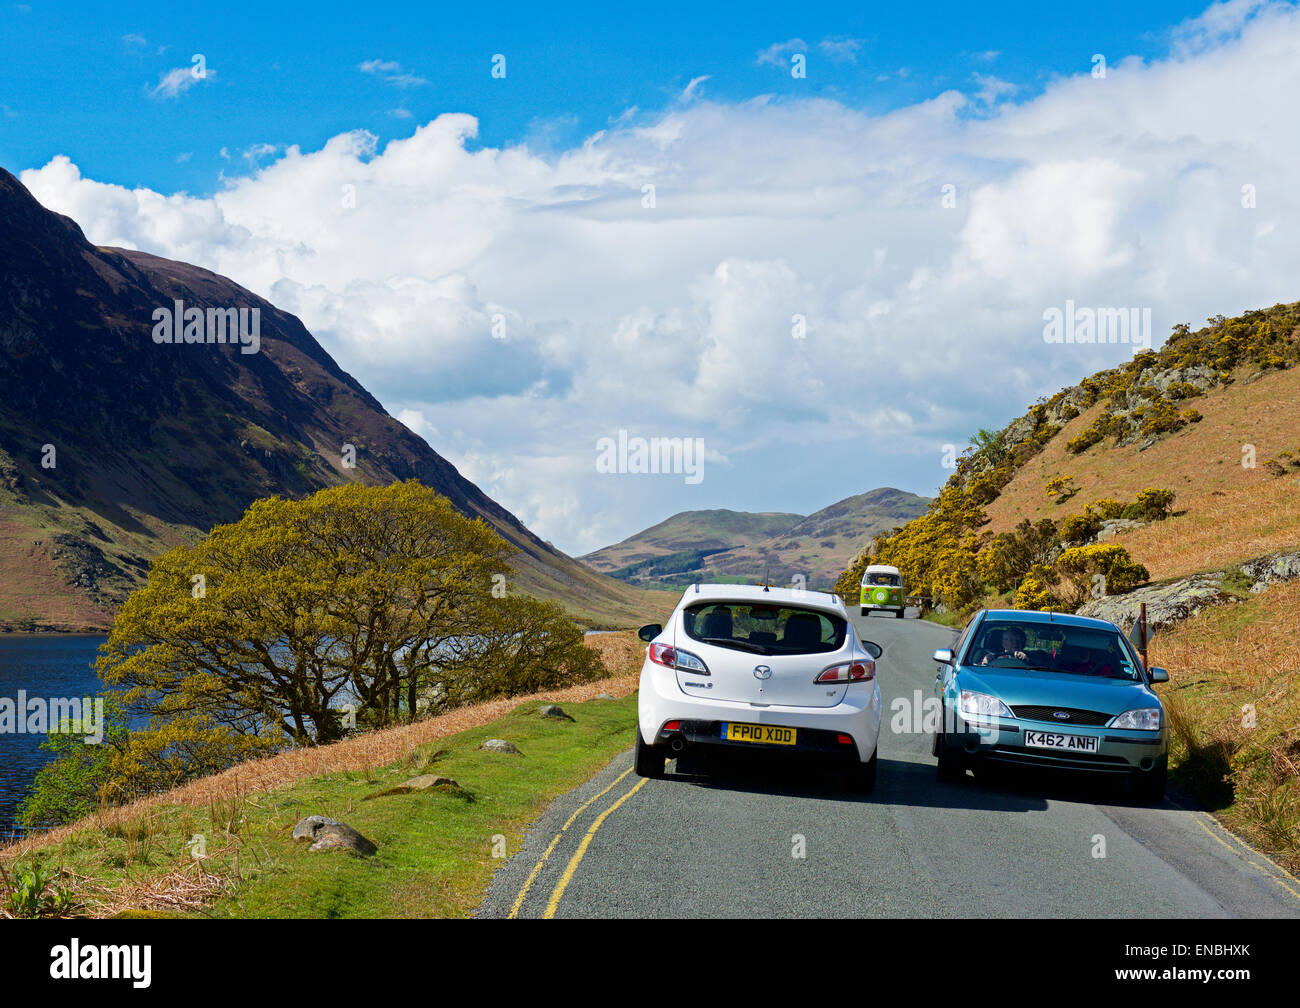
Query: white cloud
920	323
690	91
775	53
842	50
259	152
175	82
992	88
392	72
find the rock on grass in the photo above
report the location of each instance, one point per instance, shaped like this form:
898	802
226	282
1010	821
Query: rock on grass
329	834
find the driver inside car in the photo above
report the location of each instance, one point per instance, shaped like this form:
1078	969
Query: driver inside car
1012	646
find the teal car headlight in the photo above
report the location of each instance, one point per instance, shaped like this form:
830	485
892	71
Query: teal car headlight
974	704
1143	719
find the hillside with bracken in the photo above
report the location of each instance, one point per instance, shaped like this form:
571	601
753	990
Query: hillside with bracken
1185	459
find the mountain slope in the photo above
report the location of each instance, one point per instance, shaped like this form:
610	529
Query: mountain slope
741	546
114	447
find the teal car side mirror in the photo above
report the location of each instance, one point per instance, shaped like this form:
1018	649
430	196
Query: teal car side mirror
943	656
1159	675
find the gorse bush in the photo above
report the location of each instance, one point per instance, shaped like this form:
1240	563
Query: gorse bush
1151	504
1097	571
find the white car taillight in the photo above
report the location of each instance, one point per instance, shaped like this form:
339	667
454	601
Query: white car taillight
849	672
675	658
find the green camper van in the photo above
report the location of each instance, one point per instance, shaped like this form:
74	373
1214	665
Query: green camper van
882	588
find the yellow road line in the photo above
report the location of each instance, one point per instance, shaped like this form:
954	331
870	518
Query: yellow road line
519	900
582	849
1239	854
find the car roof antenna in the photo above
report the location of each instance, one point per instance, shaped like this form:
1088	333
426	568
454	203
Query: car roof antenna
766	565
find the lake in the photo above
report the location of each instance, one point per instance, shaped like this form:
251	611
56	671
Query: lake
47	667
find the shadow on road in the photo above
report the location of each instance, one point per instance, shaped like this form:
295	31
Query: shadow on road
900	782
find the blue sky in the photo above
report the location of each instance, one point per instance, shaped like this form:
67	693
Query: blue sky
468	199
75	79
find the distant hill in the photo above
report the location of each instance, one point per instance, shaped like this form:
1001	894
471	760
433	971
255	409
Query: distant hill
115	447
741	546
689	532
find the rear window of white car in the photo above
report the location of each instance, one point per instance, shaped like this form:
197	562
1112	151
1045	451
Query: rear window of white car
765	629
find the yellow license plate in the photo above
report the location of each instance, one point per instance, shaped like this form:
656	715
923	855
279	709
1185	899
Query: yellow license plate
771	734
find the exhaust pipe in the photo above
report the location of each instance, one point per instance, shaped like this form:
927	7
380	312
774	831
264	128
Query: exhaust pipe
677	743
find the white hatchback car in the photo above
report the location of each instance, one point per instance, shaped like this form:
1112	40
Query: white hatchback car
749	667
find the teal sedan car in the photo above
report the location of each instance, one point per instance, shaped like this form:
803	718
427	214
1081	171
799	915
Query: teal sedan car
1050	690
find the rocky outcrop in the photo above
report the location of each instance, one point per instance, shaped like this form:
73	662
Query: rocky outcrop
1117	526
1271	570
424	782
498	745
1179	600
1166	604
329	834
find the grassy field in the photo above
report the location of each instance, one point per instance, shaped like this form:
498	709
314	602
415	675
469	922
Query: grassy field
1234	710
436	848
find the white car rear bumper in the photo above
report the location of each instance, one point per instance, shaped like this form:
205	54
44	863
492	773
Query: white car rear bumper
661	700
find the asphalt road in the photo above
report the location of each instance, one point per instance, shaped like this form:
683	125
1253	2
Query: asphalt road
750	838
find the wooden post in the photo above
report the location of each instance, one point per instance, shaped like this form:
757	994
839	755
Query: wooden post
1142	632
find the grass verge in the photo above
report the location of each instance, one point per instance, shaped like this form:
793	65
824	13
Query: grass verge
437	849
1234	714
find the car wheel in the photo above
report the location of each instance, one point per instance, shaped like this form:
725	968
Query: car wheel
1149	785
864	610
649	759
900	613
866	775
951	768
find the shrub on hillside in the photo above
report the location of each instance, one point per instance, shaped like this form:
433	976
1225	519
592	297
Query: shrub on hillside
1062	488
1151	504
1078	529
1090	437
1009	556
1108	508
1097	571
1035	591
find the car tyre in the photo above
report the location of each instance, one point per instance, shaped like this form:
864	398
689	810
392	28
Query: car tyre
950	769
865	774
864	610
649	759
1149	785
900	613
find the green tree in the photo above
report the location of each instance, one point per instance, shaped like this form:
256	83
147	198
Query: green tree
271	625
385	600
1009	556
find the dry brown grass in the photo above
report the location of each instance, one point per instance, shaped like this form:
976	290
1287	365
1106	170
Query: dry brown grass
1219	662
621	653
33	588
1231	514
